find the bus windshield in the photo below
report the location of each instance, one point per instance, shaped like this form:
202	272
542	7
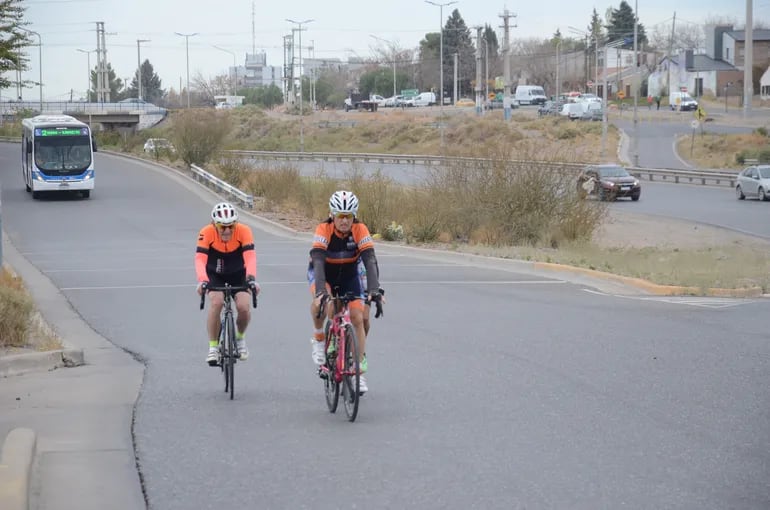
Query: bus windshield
63	153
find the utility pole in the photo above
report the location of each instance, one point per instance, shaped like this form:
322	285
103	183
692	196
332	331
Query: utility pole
139	67
479	109
88	57
187	54
441	65
506	64
748	61
671	53
636	87
454	93
40	63
301	130
558	68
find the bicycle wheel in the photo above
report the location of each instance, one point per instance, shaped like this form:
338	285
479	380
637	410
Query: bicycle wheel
351	375
331	387
229	360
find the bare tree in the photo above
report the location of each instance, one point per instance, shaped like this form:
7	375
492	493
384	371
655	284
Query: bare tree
206	89
687	36
533	61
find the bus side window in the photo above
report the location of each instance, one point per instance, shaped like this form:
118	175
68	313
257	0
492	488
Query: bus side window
93	144
29	146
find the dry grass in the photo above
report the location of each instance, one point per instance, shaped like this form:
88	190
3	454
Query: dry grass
709	150
21	327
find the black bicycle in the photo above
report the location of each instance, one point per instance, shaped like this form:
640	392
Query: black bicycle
228	350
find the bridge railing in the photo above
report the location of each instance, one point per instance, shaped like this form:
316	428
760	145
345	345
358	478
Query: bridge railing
212	181
669	175
63	107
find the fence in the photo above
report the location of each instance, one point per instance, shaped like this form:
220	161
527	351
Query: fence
669	175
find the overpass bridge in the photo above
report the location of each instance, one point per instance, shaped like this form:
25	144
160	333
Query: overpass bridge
110	116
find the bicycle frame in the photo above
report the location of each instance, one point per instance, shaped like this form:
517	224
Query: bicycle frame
228	350
337	323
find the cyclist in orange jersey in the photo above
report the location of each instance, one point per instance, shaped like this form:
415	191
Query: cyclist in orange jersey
343	256
225	254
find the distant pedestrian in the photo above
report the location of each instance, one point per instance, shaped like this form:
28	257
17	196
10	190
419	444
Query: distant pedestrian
649	102
657	102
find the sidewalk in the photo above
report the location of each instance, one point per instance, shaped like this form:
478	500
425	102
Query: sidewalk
66	432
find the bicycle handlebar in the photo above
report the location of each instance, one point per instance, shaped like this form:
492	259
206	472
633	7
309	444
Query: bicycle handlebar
348	297
232	289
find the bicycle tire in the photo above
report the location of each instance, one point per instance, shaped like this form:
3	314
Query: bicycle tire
331	387
351	382
221	345
230	358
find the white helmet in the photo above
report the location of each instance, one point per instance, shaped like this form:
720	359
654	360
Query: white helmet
343	202
224	214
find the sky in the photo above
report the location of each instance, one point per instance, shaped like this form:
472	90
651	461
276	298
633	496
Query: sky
339	29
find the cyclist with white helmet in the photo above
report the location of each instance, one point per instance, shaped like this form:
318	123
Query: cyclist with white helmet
225	254
343	256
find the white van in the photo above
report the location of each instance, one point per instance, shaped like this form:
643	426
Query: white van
683	101
530	94
425	99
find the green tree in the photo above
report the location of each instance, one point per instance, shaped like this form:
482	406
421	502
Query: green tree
428	67
151	84
491	53
12	40
457	39
380	81
621	26
266	96
116	85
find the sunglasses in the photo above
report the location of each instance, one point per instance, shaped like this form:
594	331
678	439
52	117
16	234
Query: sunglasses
344	216
223	227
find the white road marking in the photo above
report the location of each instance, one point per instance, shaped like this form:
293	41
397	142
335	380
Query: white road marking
700	301
303	282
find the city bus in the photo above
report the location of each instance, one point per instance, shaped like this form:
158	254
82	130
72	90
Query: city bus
57	155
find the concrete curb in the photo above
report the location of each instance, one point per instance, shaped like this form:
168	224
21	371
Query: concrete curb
16	459
18	364
654	288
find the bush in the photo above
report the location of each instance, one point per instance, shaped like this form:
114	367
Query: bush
15	312
199	134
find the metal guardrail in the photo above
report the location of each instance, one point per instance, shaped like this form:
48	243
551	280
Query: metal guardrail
669	175
211	180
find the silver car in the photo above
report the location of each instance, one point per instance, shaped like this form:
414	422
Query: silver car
754	181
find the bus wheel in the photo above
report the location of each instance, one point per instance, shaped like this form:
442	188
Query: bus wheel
86	193
36	194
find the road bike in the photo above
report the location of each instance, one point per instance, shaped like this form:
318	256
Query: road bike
228	350
341	371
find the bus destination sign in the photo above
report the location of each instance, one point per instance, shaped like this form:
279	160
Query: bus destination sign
61	132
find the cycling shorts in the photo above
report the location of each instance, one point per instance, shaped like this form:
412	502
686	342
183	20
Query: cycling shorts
235	279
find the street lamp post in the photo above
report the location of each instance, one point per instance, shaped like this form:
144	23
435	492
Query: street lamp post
393	48
615	44
139	67
187	52
40	62
301	132
636	87
235	68
88	56
441	63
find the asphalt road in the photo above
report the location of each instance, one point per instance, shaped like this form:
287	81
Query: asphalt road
490	386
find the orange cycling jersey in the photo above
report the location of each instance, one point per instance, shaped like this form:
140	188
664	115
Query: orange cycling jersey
214	256
342	250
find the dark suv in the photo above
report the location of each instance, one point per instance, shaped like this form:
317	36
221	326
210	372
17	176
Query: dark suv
608	182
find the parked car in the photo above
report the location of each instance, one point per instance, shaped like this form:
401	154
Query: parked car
573	111
153	145
464	101
592	111
530	94
608	182
425	99
754	181
393	101
550	108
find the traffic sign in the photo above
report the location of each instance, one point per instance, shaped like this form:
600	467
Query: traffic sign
621	94
700	113
694	124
